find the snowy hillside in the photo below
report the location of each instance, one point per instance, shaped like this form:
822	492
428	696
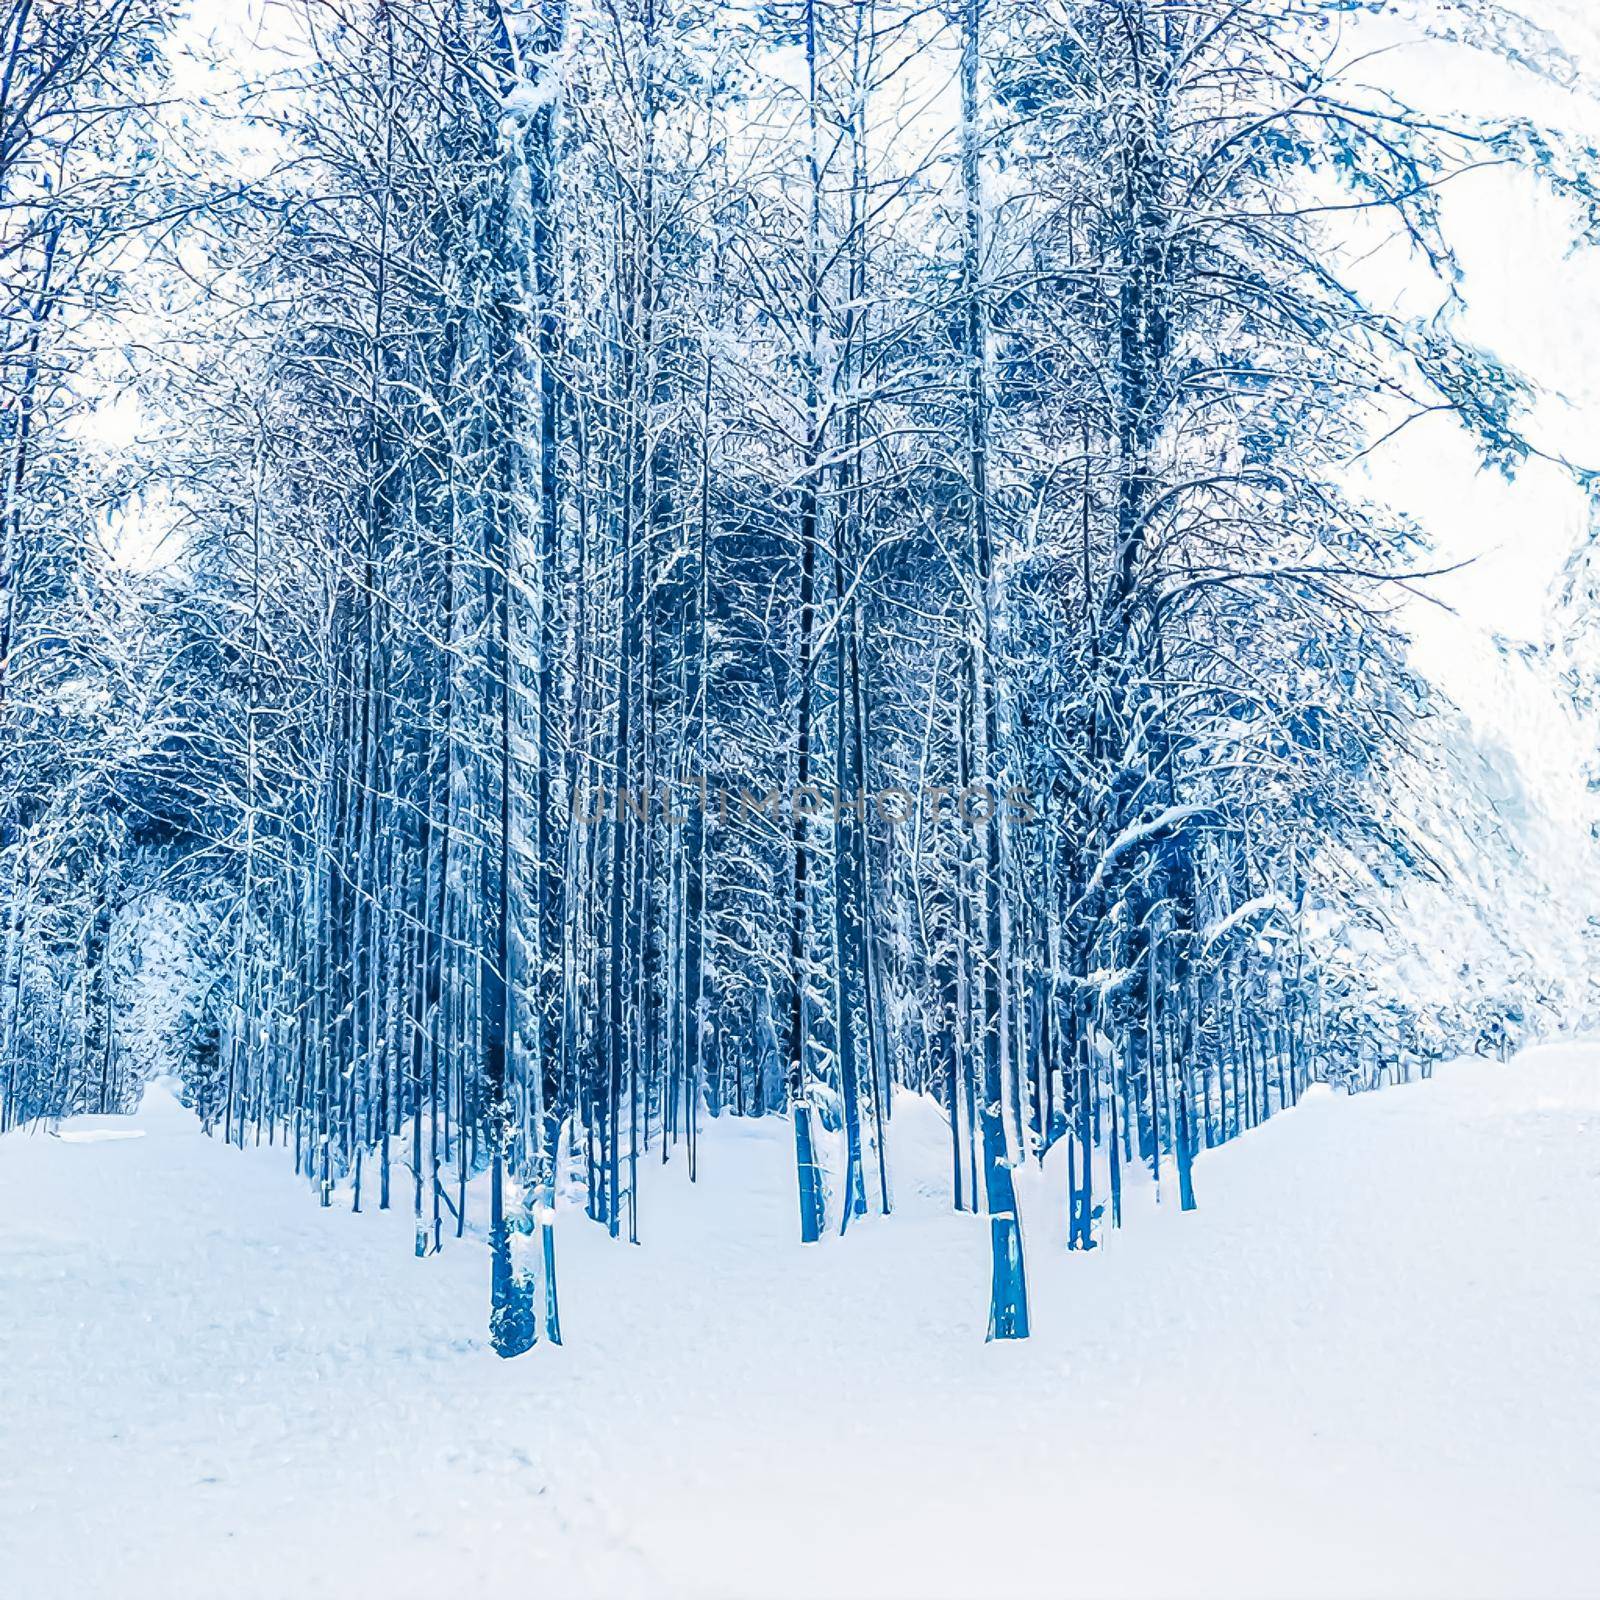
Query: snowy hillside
1497	937
1364	1367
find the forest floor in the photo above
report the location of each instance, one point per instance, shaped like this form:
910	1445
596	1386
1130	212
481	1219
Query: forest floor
1365	1367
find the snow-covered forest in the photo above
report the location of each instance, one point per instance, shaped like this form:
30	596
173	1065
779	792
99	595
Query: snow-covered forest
639	634
578	569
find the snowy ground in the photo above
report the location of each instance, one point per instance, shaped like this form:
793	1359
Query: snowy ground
1365	1367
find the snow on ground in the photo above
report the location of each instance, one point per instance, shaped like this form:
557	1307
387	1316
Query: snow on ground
1365	1367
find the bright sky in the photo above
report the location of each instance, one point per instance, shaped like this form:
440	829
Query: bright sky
1530	299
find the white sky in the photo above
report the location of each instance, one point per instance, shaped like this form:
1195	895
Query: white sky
1531	299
